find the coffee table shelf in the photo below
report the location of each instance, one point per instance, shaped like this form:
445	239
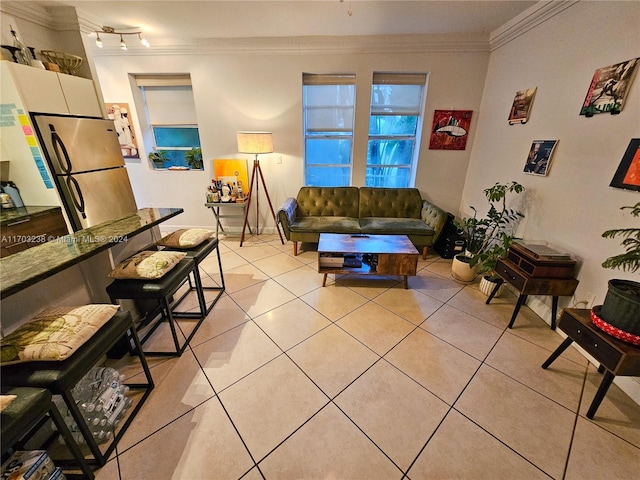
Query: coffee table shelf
391	255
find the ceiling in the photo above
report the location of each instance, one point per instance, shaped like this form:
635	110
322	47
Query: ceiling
169	21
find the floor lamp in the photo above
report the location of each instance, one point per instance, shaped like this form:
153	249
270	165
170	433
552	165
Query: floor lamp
256	143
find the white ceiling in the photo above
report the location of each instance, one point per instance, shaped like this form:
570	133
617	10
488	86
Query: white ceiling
164	20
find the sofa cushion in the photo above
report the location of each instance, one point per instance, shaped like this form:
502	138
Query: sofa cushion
327	201
390	202
147	264
395	226
325	225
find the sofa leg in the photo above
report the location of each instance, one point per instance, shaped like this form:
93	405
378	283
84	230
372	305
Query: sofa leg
424	252
295	249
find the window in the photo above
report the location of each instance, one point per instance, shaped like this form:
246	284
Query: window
328	104
171	118
396	117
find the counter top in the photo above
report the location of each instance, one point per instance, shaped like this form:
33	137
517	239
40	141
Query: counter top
16	215
28	267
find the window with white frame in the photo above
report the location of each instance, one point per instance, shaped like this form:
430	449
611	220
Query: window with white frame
328	104
171	118
397	107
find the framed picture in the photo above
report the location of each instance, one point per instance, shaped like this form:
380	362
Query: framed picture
522	106
119	113
608	88
539	158
232	172
628	174
450	129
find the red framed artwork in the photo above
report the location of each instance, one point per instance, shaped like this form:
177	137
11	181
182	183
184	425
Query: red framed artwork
627	175
450	129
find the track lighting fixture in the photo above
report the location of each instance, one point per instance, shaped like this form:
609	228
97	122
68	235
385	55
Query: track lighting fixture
123	44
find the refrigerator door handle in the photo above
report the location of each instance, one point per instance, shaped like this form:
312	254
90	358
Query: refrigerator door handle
57	146
76	195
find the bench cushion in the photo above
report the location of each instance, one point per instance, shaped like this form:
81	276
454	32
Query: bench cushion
147	265
395	226
55	334
186	238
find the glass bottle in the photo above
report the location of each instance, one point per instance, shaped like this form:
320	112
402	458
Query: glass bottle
22	55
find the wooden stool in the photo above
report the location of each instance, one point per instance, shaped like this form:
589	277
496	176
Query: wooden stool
59	377
160	290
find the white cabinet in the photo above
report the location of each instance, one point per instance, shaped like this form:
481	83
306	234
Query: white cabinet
43	91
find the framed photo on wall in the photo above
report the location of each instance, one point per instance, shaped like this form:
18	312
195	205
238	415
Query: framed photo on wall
627	175
521	107
119	113
540	156
233	172
608	88
450	129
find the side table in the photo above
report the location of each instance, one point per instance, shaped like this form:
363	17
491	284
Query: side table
527	285
615	356
215	208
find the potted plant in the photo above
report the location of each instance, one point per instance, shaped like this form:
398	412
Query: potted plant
621	306
158	158
193	158
489	238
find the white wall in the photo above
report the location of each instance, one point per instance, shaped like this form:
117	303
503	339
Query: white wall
574	204
248	91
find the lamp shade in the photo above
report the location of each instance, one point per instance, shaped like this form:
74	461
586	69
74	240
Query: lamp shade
255	142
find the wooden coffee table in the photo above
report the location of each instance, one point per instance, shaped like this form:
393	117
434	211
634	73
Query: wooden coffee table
366	255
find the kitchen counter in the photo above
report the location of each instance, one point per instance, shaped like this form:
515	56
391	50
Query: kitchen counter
21	214
28	267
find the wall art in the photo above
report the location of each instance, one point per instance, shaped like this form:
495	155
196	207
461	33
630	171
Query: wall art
119	113
522	106
628	174
539	158
233	172
450	129
608	88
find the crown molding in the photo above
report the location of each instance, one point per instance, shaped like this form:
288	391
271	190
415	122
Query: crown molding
530	18
309	45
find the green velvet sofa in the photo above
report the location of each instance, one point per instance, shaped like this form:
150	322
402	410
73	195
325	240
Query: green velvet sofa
379	211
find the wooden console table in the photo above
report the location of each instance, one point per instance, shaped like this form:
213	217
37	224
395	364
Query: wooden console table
615	356
527	285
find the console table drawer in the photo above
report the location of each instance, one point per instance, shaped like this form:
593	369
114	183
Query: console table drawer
594	344
513	277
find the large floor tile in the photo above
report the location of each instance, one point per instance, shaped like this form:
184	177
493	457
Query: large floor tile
278	264
466	332
334	301
441	368
264	415
328	446
225	315
376	327
253	252
201	444
369	286
332	359
409	303
243	276
617	413
535	427
462	450
498	313
440	288
301	280
262	297
180	385
227	358
596	453
291	323
562	381
393	410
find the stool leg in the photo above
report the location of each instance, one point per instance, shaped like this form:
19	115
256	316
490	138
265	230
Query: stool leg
84	428
70	442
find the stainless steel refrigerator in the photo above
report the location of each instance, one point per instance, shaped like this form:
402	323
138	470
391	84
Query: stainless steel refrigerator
88	168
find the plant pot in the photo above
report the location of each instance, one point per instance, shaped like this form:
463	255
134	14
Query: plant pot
487	285
621	307
461	271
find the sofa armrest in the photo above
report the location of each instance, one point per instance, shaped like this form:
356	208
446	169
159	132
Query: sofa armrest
286	214
435	217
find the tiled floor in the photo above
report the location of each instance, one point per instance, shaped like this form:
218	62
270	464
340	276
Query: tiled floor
363	379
